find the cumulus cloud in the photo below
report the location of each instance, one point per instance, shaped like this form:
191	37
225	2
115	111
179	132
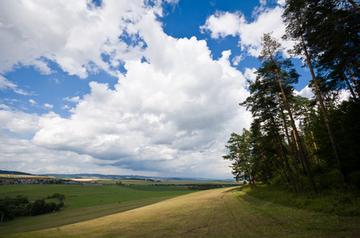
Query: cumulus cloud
250	74
223	24
306	92
76	35
36	159
32	101
170	114
18	121
267	20
48	106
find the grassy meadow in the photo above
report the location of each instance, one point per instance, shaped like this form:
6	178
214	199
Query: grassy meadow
84	202
224	212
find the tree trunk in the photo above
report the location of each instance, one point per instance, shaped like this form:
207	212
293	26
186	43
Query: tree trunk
291	144
322	107
297	147
351	89
281	149
315	146
355	82
302	150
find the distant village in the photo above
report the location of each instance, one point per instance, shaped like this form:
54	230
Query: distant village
8	180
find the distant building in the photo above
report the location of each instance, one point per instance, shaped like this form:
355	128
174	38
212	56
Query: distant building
29	180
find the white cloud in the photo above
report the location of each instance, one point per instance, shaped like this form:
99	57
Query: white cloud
32	102
66	107
237	59
223	24
48	106
6	84
73	34
74	99
4	107
343	95
37	159
250	74
17	121
169	115
281	2
306	92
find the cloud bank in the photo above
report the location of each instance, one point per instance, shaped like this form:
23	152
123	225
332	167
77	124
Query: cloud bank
170	114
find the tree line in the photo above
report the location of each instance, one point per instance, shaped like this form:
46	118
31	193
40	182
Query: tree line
12	207
305	144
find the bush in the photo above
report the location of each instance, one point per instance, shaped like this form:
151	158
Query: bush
205	186
355	178
40	206
37	207
59	205
330	180
60	197
20	206
13	207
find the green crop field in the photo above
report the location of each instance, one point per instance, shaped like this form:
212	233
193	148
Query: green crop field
83	202
224	212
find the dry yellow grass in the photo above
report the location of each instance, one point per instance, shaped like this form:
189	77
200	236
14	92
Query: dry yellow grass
211	213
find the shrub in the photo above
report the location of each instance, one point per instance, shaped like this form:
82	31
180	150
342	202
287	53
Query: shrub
37	207
60	197
329	180
20	206
12	207
355	178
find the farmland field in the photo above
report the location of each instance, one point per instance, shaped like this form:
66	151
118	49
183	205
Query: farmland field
225	212
84	202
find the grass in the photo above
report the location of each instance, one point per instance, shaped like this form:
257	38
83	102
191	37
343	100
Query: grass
343	203
225	212
83	202
166	182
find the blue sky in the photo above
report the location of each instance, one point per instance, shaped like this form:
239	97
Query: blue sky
128	88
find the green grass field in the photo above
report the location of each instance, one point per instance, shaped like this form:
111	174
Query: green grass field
83	202
225	212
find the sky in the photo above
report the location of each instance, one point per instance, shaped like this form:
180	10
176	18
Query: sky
129	87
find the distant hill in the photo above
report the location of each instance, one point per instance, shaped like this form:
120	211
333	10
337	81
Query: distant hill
13	172
132	177
100	176
112	176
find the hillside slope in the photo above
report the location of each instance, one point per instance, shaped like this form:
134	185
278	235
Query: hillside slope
212	213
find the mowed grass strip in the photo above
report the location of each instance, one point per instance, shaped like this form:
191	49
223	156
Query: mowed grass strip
83	202
212	213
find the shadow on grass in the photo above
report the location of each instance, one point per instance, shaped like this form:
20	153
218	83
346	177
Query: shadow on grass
343	203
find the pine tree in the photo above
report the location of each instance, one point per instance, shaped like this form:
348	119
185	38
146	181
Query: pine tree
298	18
